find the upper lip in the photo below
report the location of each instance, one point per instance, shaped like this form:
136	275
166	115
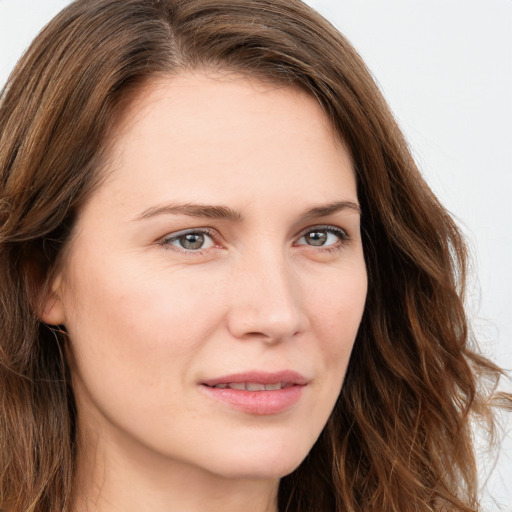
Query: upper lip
262	377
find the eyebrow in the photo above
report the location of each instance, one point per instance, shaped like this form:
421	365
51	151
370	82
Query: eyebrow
331	208
206	211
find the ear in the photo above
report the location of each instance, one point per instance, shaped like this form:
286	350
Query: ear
51	310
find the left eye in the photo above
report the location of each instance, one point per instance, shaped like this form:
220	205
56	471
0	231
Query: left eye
322	237
191	240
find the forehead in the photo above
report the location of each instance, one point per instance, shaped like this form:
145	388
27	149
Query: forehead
214	96
210	134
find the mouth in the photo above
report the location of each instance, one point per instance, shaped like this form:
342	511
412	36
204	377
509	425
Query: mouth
258	393
253	386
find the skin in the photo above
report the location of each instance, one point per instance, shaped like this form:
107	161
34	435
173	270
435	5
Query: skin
149	320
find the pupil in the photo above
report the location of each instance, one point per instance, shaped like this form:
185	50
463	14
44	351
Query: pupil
316	238
192	241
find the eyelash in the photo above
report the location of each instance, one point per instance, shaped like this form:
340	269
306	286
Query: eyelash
166	241
342	235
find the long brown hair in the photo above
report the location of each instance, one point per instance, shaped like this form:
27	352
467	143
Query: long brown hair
399	437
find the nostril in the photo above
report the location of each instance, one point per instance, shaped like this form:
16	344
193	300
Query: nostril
269	311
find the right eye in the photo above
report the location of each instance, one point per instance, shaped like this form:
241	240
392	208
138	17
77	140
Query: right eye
190	241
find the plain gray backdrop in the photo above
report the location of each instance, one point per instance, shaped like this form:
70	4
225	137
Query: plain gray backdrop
445	67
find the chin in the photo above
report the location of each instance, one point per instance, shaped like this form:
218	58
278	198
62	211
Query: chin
259	472
267	464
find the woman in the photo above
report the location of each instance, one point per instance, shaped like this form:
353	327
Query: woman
225	286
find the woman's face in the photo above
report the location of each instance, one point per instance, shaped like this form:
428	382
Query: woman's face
215	283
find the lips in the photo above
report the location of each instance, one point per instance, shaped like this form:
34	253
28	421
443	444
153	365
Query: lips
253	386
286	378
257	393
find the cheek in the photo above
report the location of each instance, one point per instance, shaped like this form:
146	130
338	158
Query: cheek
336	305
134	341
126	300
139	331
337	311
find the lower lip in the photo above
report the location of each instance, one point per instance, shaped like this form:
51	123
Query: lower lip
263	403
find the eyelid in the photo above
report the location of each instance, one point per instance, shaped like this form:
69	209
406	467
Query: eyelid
336	230
165	240
342	233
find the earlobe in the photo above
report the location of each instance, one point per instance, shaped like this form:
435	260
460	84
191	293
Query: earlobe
51	308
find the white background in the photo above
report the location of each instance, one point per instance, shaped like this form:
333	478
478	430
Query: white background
445	66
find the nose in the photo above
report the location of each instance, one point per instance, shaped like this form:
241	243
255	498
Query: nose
267	300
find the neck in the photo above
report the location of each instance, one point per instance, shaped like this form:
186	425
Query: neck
121	476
